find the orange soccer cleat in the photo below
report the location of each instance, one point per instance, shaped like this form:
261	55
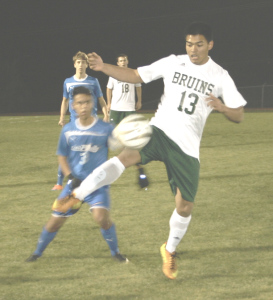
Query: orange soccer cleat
169	267
57	187
64	204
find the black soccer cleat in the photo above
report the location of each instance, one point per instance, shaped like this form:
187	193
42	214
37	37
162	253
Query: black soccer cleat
142	179
120	258
33	257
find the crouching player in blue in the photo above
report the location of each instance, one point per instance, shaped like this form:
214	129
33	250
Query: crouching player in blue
83	146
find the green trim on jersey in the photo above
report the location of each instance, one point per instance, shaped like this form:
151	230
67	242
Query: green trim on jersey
182	169
117	116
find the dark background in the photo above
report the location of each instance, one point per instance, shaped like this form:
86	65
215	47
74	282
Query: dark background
39	38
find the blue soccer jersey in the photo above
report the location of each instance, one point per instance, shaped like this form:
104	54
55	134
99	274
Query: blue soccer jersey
89	82
86	148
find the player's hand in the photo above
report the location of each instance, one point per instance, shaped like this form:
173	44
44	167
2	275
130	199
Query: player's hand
95	61
138	105
74	182
61	123
106	118
215	103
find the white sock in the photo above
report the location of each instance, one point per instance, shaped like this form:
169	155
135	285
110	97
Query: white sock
105	174
178	228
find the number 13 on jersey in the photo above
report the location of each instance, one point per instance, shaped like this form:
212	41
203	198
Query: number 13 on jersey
192	104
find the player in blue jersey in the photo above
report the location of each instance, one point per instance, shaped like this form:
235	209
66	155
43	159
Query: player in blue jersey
80	78
83	146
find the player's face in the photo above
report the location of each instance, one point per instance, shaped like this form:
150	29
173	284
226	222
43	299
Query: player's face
123	62
197	48
83	105
80	66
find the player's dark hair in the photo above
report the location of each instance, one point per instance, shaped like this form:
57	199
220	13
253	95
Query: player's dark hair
121	55
82	90
199	28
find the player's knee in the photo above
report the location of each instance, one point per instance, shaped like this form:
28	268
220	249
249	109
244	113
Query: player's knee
54	224
104	223
184	211
102	218
184	208
129	157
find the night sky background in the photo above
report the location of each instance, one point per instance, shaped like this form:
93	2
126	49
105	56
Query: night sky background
39	39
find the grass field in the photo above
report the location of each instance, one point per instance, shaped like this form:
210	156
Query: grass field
227	252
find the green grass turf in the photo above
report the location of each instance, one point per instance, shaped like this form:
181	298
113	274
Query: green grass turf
226	253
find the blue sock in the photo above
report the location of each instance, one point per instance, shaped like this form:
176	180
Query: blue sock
44	239
110	237
60	176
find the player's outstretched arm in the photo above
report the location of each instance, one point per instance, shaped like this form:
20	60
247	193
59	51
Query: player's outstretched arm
235	115
123	74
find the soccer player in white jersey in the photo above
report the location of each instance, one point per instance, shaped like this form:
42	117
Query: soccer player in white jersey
121	102
80	78
83	146
120	95
193	84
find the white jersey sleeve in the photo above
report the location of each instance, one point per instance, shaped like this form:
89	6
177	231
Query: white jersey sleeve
229	93
110	84
153	71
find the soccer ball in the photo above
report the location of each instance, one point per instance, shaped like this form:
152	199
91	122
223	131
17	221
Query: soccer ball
133	131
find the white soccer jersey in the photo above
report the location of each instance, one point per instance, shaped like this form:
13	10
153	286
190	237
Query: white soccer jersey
183	111
123	95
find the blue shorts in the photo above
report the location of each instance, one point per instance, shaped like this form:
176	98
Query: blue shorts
98	199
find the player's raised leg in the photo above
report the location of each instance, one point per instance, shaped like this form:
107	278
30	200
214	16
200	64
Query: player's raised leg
105	174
